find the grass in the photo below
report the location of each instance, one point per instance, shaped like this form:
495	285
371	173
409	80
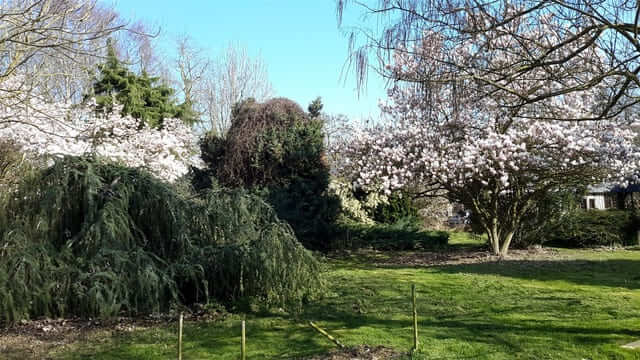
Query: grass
464	240
580	304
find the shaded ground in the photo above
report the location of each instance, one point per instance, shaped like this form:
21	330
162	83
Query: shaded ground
36	339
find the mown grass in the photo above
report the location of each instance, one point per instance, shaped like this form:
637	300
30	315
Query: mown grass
579	304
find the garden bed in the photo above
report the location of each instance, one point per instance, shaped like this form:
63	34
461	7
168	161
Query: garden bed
362	352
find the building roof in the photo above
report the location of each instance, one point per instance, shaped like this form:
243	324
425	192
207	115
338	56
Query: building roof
628	189
612	188
600	188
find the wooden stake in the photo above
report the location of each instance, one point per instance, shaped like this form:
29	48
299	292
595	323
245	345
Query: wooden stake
326	334
180	336
244	342
415	318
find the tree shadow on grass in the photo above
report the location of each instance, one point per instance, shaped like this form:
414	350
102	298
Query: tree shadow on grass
611	273
491	312
267	338
510	327
487	333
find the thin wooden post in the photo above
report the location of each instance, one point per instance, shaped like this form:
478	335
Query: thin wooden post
244	342
415	318
180	336
326	334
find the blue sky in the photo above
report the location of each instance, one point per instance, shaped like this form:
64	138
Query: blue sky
299	41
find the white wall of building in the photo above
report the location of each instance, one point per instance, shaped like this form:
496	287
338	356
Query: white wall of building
597	200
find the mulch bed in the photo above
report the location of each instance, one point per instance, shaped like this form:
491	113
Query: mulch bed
35	339
362	352
464	257
435	258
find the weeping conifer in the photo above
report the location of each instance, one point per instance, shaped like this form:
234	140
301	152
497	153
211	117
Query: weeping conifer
89	238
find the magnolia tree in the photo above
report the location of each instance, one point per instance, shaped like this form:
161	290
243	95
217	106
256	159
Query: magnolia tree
59	129
477	150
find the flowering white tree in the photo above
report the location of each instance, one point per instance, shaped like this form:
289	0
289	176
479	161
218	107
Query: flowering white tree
497	162
58	129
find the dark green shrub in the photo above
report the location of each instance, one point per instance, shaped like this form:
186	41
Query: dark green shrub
552	211
276	150
14	167
398	207
89	238
587	228
405	234
238	160
298	190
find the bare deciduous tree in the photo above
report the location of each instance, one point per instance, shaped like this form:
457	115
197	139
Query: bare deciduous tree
336	130
193	67
138	47
577	32
41	40
214	86
235	76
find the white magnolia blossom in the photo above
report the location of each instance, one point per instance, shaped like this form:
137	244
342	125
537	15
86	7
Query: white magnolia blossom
394	157
62	129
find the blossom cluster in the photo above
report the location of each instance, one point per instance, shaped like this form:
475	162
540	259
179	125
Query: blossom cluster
392	157
58	129
353	207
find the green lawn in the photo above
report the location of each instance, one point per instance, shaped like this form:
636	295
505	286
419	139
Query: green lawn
579	304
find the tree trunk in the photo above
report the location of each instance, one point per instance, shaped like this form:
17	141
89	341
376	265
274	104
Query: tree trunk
494	239
499	245
504	249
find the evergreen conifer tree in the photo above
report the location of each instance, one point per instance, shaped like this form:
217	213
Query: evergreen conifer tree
315	108
141	96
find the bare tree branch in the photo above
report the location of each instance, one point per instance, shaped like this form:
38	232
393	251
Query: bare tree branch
600	36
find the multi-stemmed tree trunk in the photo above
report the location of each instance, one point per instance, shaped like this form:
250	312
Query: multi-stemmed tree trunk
498	215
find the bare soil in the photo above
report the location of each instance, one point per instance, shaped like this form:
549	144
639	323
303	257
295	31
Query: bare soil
362	352
38	339
460	257
441	258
